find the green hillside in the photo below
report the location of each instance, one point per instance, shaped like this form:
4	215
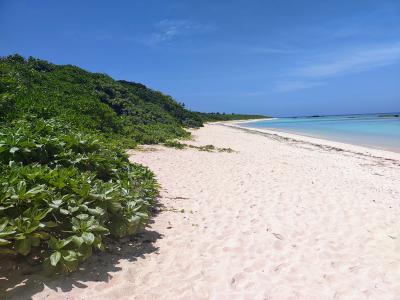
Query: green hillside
89	101
93	101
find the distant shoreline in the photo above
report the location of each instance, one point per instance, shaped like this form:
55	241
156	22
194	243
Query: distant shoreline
359	149
345	139
241	121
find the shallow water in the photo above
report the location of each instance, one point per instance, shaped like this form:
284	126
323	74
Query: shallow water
380	131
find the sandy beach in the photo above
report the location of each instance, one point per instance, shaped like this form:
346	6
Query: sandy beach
281	217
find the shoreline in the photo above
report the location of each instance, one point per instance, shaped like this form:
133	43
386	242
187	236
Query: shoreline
239	121
324	140
316	141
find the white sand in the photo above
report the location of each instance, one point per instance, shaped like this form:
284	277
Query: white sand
278	219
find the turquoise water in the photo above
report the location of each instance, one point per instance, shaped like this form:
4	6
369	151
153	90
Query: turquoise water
374	130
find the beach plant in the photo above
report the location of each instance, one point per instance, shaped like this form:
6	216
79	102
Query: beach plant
229	150
174	144
62	191
207	148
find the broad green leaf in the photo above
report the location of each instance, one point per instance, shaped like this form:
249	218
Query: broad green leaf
41	235
42	214
4	242
77	240
99	229
70	256
55	203
3	224
13	150
82	216
6	233
50	224
142	215
63	243
64	211
53	243
55	258
88	237
23	246
35	190
96	211
21	187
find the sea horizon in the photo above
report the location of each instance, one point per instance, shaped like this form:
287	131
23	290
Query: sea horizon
338	115
374	130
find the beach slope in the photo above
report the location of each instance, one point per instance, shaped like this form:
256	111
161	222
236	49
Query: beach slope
278	218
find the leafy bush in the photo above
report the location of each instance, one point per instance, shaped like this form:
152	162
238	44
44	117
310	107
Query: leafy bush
62	191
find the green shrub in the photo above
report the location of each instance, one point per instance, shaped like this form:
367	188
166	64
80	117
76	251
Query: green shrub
62	191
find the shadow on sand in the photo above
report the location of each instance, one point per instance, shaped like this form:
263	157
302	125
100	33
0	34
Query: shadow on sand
25	281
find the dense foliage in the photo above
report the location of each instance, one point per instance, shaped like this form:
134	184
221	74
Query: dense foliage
62	191
93	101
213	117
89	101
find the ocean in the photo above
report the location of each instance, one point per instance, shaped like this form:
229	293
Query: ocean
381	131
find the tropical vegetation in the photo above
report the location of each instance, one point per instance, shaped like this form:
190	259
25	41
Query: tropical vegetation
66	184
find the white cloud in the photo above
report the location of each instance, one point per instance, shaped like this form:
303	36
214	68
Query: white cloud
167	30
351	62
330	65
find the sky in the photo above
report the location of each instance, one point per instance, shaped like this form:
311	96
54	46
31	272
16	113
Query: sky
278	58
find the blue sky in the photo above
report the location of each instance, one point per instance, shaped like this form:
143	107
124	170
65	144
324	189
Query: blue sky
278	58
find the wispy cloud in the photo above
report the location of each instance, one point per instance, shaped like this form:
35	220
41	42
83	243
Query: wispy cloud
322	67
168	30
351	62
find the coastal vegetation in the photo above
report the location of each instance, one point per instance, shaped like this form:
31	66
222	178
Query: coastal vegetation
214	117
67	185
207	148
62	191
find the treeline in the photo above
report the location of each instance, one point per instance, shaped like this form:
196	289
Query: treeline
66	184
213	117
